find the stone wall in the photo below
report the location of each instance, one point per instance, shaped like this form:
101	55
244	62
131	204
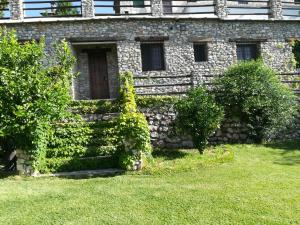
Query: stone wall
179	36
24	164
161	124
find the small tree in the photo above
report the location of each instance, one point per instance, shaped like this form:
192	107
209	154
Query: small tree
32	95
254	93
199	116
61	8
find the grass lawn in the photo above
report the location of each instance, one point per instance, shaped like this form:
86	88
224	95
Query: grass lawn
261	185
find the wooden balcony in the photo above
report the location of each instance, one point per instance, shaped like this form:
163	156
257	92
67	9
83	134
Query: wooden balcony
22	10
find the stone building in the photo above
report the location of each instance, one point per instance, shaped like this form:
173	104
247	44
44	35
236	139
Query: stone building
169	45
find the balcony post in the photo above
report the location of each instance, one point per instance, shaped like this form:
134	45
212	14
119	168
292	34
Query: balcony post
276	9
221	8
16	9
88	9
156	7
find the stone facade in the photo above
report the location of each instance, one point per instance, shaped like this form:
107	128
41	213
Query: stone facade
178	36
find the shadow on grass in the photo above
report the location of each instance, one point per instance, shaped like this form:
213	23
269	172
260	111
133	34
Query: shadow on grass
168	154
90	175
4	174
290	154
290	145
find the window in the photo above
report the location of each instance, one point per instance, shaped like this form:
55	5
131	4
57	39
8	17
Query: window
247	51
152	56
297	1
200	52
138	3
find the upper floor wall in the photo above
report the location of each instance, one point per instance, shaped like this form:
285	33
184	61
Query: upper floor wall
45	10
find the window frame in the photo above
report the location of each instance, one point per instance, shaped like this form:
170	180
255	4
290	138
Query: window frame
256	54
146	68
205	53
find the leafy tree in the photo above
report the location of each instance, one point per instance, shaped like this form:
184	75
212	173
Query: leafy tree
199	116
32	95
254	93
3	5
62	8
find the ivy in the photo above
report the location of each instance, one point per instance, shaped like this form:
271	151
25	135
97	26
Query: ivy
132	128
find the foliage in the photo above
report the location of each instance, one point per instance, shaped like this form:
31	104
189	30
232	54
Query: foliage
254	93
133	131
62	8
32	95
81	139
296	51
199	116
95	106
127	93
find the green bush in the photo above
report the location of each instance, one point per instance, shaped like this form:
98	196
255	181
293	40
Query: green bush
133	131
32	95
199	116
253	92
296	52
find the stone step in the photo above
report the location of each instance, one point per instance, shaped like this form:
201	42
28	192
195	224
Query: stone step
163	90
80	151
157	81
85	173
92	117
95	106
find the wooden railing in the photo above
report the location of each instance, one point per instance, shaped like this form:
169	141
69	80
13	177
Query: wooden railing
122	7
248	7
291	9
231	9
182	7
60	8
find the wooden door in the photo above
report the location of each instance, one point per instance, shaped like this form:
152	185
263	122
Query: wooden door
99	88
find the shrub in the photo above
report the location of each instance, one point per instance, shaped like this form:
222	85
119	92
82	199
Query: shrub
32	95
132	128
254	93
198	116
296	52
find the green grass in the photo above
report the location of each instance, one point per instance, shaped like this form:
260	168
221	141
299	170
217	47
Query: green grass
260	186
